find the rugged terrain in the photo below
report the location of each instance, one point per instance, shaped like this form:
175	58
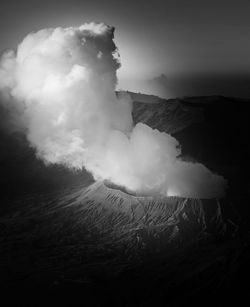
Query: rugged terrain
65	239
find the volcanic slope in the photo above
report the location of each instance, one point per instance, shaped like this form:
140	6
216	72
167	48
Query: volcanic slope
171	219
99	220
102	237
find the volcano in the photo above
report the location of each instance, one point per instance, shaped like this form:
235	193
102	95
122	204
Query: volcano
65	237
172	219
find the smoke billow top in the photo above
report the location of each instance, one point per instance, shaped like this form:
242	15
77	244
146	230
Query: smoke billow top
60	83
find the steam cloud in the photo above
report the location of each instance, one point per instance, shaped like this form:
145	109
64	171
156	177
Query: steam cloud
62	84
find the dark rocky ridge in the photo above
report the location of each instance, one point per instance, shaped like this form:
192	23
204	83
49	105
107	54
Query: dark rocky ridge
212	130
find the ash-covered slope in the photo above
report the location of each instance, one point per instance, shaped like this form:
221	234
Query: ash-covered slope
158	220
126	248
88	228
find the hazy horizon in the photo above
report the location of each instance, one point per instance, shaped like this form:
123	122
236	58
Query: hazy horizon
185	41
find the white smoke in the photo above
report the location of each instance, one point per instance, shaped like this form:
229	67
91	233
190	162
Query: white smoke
64	82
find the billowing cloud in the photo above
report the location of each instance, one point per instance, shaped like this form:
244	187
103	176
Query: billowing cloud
62	82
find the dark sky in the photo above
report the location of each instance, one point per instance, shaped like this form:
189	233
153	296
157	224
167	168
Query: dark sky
184	40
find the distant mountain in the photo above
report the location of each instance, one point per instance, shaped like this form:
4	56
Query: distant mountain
198	84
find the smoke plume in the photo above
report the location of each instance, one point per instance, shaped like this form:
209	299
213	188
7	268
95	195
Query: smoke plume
62	84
